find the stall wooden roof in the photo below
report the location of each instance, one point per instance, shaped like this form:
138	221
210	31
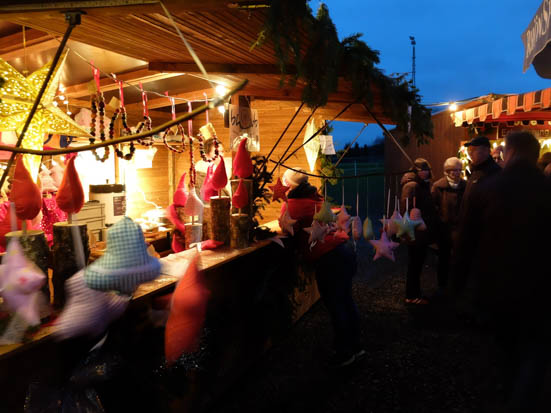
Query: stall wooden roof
135	40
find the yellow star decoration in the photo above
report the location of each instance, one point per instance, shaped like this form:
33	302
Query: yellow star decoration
17	97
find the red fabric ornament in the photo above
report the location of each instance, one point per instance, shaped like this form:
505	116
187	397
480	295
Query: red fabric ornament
211	244
50	215
241	198
242	165
279	190
207	189
25	193
70	195
219	178
187	314
5	224
180	195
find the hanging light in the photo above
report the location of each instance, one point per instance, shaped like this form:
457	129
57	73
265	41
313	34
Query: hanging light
221	90
453	107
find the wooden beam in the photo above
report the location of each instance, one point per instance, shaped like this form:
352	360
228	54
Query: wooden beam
219	68
107	84
11	47
290	94
164	102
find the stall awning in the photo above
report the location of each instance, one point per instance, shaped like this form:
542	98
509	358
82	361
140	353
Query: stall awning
536	38
527	105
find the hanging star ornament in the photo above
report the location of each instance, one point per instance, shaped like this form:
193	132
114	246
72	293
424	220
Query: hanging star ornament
406	227
343	220
20	282
17	98
279	190
383	247
317	233
390	225
417	218
286	222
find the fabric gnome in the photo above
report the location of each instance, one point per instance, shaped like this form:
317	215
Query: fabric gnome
242	164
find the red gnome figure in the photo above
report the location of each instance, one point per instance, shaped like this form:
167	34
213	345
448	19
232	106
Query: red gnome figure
242	165
219	177
70	195
241	198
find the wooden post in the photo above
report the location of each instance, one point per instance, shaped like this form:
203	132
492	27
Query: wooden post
220	218
207	211
193	233
64	257
239	231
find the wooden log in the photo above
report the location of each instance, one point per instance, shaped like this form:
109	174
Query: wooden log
220	218
193	233
239	230
207	232
64	257
249	185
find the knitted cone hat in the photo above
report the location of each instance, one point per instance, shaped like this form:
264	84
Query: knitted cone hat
242	165
241	198
219	177
207	189
70	195
187	314
181	194
25	193
126	263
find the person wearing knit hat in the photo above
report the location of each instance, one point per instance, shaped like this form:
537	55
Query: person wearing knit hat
447	194
416	190
293	178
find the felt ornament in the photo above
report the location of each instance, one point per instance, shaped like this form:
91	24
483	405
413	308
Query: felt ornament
242	165
368	229
241	198
356	225
46	181
383	247
343	220
187	313
88	312
70	195
7	224
317	233
406	227
126	263
279	190
20	282
390	225
181	194
207	190
209	244
325	214
194	206
25	193
417	218
56	172
286	222
219	177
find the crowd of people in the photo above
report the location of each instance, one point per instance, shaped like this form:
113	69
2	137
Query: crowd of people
491	233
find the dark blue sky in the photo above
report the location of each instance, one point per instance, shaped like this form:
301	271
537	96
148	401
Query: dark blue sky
464	48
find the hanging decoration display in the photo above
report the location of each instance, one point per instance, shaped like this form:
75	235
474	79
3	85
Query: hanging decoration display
20	283
242	164
325	215
326	144
286	223
25	194
279	191
383	247
17	98
317	233
97	103
313	146
70	196
125	131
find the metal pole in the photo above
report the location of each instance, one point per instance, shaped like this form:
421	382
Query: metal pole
413	43
73	17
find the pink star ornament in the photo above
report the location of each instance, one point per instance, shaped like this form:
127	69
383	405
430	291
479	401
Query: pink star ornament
383	247
279	190
343	220
20	282
286	222
317	233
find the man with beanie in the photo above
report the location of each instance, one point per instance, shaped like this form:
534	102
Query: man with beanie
416	189
447	194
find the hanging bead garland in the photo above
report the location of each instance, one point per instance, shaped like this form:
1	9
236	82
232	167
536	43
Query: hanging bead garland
122	111
202	148
147	124
181	131
98	105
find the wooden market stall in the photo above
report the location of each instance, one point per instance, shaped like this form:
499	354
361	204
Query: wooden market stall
139	43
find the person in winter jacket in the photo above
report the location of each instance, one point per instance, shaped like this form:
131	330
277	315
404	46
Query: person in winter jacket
335	266
447	194
416	190
504	249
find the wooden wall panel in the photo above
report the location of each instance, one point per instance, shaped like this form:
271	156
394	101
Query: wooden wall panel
446	142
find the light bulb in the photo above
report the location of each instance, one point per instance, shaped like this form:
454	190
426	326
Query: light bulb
54	103
221	90
69	113
221	109
453	107
61	97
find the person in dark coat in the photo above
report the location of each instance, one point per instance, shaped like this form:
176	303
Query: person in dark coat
416	189
505	239
482	164
447	194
